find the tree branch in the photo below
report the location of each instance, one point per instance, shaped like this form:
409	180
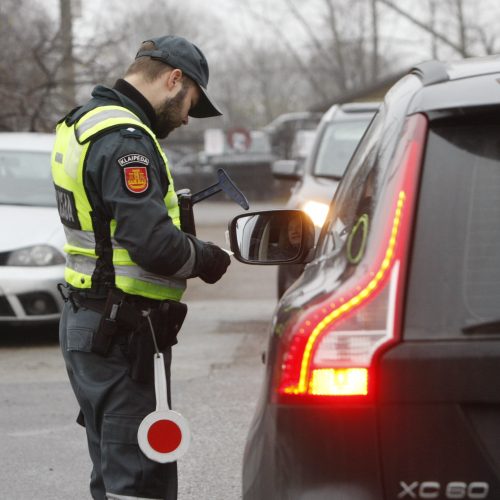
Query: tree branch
318	87
308	29
337	44
461	50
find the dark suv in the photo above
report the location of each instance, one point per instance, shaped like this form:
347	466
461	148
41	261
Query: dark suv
383	367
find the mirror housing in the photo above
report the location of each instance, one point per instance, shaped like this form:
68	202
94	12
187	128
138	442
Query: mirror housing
286	170
272	237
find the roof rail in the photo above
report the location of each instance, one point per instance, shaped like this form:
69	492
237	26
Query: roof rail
431	72
360	107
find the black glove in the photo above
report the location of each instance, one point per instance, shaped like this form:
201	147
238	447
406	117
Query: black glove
211	261
214	263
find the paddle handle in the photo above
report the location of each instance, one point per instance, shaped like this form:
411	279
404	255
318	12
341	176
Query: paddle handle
160	383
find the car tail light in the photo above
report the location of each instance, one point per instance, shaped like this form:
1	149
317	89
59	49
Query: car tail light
330	349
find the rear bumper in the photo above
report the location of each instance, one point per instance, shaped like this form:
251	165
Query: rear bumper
313	453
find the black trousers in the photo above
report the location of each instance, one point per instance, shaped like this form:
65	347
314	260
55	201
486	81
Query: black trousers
113	406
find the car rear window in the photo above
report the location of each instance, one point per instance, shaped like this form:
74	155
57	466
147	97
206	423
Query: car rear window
454	279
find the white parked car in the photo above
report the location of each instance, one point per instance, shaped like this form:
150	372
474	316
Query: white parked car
31	234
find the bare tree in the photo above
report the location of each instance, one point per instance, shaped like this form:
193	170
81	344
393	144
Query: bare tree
432	26
46	73
485	39
153	18
256	88
297	53
289	47
27	73
339	50
460	46
375	39
39	75
68	63
458	6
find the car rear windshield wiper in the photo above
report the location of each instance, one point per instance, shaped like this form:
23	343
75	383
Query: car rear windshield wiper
490	326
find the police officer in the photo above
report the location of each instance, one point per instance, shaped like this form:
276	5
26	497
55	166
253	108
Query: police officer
127	256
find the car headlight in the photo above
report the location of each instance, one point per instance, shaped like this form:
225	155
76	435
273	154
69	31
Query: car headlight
37	255
317	211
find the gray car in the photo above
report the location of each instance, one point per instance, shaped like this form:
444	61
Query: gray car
32	237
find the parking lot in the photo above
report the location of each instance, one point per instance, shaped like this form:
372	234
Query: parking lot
216	375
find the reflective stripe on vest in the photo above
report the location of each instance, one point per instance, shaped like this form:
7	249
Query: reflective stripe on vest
126	278
68	160
84	243
85	240
114	115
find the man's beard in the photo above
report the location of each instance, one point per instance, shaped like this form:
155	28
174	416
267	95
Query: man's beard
169	116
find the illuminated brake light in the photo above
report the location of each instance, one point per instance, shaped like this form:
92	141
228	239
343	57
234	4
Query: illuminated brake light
338	342
331	348
339	382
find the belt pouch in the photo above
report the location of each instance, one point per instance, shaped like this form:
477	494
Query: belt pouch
170	319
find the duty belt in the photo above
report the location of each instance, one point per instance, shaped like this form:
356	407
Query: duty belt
119	309
125	310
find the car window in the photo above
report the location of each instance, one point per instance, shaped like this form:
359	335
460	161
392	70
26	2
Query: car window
25	178
359	208
354	195
338	142
455	272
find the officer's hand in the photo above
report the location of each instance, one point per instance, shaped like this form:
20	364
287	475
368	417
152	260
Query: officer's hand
212	263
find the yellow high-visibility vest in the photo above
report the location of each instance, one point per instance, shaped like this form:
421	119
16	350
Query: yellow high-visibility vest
68	159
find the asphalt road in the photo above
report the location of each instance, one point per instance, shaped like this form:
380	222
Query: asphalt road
217	373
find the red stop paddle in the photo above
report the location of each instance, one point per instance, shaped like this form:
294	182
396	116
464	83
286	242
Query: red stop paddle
164	434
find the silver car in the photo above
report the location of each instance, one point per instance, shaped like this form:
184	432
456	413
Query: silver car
31	235
336	138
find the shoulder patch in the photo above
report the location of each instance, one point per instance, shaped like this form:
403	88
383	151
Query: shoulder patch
136	178
135	173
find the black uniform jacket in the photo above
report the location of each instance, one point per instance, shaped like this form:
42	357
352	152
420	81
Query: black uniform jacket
144	227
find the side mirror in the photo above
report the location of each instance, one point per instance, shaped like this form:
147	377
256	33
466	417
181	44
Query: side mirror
272	237
286	170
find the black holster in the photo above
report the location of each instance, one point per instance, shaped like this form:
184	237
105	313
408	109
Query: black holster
108	326
186	214
166	321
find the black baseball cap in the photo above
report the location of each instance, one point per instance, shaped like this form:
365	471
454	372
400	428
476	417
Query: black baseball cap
182	54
